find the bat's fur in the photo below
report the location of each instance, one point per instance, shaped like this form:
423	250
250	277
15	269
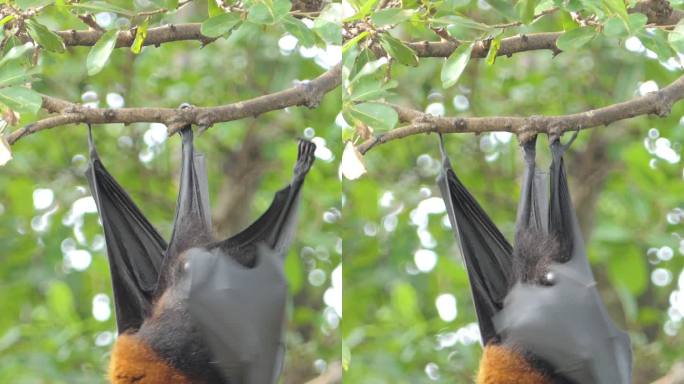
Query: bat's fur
504	365
532	256
133	362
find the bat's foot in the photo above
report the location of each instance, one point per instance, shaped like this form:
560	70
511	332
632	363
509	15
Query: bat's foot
305	157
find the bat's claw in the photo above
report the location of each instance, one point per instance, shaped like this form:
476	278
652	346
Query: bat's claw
305	157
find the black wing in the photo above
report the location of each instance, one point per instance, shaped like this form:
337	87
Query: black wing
238	290
192	224
486	253
134	248
276	226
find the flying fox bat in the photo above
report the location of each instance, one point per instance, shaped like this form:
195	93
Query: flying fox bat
196	310
541	318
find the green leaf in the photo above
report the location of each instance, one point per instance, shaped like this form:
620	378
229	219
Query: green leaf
575	38
45	37
615	27
346	356
296	28
405	301
617	7
263	13
363	11
363	58
100	52
526	10
15	53
504	7
391	16
453	66
368	68
101	6
21	99
462	28
676	38
328	24
61	300
494	46
140	36
370	89
14	74
26	4
213	9
636	22
630	270
375	115
657	41
398	50
6	19
219	25
352	42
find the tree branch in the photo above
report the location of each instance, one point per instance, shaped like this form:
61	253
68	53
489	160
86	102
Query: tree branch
155	36
509	45
659	12
658	103
307	93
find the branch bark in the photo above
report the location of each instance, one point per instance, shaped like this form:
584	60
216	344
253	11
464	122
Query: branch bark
307	93
509	45
155	36
657	103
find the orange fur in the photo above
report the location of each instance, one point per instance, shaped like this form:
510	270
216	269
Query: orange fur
501	365
134	362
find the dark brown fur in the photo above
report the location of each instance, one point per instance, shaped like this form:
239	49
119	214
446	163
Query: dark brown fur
532	256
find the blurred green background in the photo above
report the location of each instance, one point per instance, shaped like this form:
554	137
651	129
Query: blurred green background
408	315
56	323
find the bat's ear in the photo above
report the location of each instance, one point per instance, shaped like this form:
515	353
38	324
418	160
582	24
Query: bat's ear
192	225
486	253
134	248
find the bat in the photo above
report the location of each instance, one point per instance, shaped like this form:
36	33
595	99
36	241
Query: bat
196	309
540	316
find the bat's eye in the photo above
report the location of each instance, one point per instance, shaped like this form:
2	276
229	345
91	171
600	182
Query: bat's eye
548	279
186	266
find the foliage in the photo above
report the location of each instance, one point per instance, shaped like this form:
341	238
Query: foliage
50	295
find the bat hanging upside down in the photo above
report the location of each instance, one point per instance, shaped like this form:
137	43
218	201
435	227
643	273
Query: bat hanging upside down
541	318
196	310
